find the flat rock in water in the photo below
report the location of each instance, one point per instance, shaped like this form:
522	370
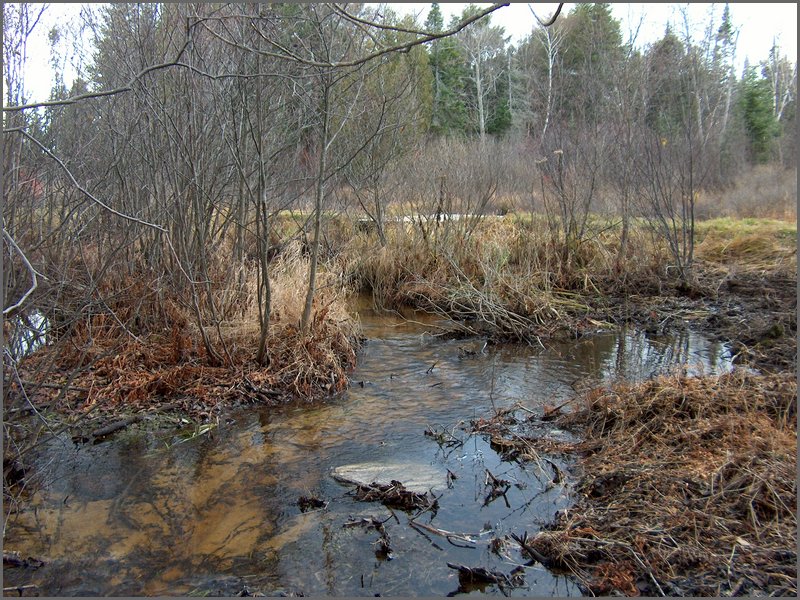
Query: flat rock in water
415	477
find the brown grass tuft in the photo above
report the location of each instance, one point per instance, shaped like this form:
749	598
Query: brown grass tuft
164	359
688	488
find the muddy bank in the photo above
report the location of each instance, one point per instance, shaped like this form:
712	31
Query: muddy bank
686	487
755	313
97	382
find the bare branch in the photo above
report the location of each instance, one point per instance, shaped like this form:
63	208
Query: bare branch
423	38
552	19
350	17
86	192
15	308
105	93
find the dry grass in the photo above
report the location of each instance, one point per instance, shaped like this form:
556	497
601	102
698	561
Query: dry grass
688	487
748	244
763	191
165	360
512	275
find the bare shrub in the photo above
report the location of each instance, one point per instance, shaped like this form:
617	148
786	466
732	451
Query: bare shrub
451	185
765	191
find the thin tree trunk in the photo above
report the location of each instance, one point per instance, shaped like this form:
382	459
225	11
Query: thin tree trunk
264	289
262	234
550	64
479	91
318	197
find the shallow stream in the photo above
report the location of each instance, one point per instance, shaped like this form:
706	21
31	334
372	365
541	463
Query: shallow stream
141	514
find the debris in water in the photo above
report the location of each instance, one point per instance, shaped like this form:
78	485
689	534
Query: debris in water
383	548
395	495
499	487
470	578
307	503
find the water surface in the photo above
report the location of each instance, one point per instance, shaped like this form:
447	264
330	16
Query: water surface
141	514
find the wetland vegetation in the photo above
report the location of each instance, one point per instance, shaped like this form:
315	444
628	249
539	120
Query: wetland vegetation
562	275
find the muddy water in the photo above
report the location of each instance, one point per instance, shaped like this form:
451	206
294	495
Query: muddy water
141	514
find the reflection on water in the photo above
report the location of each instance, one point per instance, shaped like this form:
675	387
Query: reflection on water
137	515
27	333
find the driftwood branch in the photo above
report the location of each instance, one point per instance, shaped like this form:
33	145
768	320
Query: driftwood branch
123	423
530	550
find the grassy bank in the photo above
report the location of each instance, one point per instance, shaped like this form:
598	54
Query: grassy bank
518	278
687	487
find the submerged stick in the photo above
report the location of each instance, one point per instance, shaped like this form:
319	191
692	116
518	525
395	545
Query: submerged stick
122	423
448	535
530	550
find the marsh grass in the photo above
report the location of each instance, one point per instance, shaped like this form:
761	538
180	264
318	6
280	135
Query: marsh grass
687	487
505	278
748	244
164	359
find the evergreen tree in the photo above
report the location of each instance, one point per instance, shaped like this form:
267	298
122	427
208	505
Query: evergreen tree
756	104
449	110
499	121
591	49
668	99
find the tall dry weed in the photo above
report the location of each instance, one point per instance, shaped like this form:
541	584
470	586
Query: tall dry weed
764	191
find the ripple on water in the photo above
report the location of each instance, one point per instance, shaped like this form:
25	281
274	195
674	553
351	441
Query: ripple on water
137	517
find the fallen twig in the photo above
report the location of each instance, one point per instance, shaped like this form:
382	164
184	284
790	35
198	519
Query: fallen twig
448	535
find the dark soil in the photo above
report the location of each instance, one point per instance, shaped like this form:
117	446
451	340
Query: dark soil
755	313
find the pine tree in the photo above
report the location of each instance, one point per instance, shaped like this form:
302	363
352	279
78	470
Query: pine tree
449	111
757	112
668	100
592	47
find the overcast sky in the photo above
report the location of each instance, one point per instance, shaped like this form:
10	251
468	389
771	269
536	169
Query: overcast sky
758	24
